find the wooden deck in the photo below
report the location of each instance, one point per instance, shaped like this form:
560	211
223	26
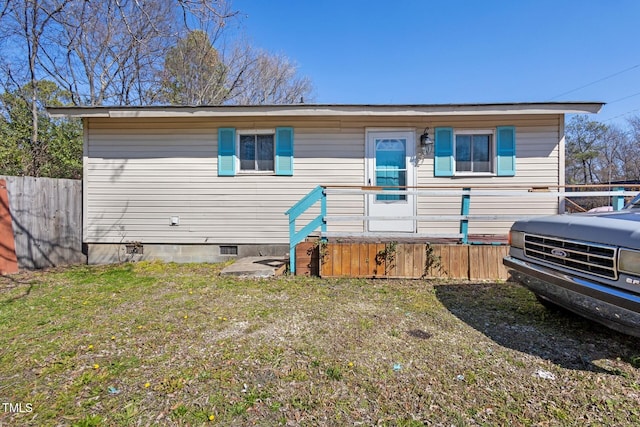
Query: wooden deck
408	260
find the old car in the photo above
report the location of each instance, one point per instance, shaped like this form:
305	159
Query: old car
587	263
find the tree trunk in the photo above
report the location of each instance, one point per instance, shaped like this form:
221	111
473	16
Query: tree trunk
33	53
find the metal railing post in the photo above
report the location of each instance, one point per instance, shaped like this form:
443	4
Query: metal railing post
323	212
292	248
464	210
618	201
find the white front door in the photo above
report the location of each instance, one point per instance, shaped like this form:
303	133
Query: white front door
390	158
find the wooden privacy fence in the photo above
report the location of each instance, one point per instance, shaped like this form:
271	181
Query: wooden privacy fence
8	260
46	216
401	260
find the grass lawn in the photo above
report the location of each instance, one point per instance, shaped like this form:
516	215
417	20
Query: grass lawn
167	344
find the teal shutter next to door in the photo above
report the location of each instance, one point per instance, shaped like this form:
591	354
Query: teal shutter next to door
443	164
226	152
284	151
506	151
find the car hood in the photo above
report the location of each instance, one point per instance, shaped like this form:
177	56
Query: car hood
621	228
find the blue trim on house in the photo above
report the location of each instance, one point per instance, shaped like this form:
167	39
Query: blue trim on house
506	151
226	151
443	162
284	151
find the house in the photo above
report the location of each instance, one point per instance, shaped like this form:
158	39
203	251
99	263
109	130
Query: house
205	183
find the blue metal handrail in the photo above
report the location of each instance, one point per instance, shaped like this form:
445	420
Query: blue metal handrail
320	193
464	210
295	237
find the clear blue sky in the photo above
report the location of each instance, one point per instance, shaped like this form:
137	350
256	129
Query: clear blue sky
448	51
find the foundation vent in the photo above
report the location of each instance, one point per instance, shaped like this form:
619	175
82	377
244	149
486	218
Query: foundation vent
228	250
134	248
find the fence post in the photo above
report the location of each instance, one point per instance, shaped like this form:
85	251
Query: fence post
8	258
464	210
618	201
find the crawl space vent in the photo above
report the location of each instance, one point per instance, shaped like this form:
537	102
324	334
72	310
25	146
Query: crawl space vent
228	250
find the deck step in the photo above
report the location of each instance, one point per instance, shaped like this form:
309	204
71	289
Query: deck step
264	266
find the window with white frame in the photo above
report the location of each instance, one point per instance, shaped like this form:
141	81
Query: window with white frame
474	151
256	151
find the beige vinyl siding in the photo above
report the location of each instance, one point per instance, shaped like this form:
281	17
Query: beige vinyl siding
141	172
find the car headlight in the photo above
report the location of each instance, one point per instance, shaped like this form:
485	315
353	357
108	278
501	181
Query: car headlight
516	239
629	261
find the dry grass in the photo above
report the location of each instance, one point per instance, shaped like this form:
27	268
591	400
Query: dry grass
166	344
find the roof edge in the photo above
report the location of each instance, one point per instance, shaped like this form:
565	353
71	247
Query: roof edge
328	110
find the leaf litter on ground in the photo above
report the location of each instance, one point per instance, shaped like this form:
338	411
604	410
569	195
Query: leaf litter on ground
166	344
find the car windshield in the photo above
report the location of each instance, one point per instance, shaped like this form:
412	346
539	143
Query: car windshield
634	204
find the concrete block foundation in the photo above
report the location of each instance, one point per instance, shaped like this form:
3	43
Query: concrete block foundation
105	253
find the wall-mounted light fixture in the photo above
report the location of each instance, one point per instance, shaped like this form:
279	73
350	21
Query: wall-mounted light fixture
426	143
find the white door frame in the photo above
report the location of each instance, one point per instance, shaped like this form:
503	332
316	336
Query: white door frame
374	207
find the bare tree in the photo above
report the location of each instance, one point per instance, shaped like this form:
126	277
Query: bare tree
584	142
29	21
109	51
610	164
262	78
115	49
193	73
129	52
630	153
4	7
599	153
196	74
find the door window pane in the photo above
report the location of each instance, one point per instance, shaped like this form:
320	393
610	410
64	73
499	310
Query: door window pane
391	167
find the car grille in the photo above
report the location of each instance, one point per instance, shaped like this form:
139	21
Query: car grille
599	260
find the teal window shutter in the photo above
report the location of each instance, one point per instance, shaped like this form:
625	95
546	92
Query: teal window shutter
506	151
443	164
284	151
226	151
